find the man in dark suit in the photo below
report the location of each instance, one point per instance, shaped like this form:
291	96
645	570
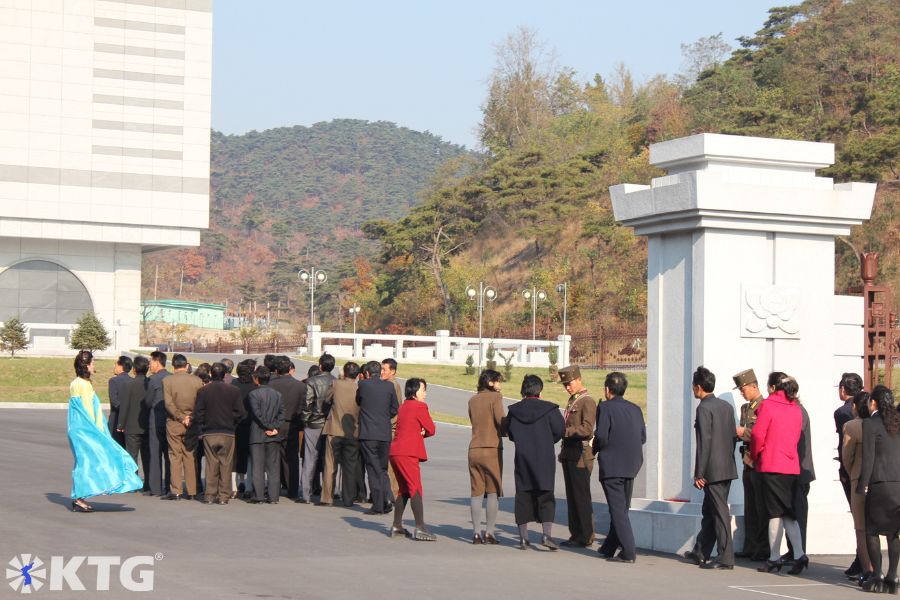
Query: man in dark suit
293	395
118	388
132	418
714	470
618	442
378	404
156	428
849	385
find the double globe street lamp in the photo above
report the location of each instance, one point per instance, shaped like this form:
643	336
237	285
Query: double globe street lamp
312	278
354	310
535	295
480	294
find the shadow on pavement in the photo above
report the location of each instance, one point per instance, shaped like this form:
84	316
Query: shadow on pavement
66	502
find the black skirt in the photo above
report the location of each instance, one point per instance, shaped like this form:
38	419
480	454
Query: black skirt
535	505
777	495
883	508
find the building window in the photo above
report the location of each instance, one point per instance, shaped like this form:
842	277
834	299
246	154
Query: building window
38	291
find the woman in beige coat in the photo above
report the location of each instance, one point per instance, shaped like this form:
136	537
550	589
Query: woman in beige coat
851	454
486	454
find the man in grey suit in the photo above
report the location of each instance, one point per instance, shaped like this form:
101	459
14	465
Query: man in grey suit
714	470
156	427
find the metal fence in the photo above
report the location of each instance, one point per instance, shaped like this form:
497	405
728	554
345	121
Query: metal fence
609	350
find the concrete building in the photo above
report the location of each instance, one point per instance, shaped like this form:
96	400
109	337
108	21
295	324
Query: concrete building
104	154
184	312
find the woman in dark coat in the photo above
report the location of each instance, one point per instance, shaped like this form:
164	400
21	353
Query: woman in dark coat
534	426
414	424
241	480
880	480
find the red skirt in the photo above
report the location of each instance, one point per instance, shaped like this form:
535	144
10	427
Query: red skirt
409	477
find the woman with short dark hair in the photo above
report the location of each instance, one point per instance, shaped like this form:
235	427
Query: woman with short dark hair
407	451
486	454
880	480
101	465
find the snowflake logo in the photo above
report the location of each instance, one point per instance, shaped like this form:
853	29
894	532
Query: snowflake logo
26	573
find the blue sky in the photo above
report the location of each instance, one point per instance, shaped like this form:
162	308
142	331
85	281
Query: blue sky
425	65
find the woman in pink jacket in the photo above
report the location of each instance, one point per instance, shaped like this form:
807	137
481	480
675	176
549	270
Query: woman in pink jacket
773	448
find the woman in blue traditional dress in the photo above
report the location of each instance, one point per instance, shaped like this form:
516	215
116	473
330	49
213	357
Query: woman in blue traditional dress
101	465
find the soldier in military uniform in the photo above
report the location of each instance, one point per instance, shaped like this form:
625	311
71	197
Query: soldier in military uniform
577	458
756	542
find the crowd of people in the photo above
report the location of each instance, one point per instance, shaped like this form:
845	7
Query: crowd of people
264	433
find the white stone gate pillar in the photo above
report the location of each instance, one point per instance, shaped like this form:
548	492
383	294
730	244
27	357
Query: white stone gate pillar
740	275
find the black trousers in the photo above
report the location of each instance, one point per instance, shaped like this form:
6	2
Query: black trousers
112	423
715	526
266	459
346	456
290	462
134	445
578	500
618	498
376	454
159	459
756	521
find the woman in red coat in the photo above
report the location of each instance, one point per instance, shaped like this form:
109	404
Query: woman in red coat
407	451
773	448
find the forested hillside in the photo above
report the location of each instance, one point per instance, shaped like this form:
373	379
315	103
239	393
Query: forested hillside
296	197
404	222
536	211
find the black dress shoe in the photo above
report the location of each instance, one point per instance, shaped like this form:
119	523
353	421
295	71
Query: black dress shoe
171	497
570	543
476	540
372	511
694	557
716	565
743	554
148	493
603	554
759	557
490	539
854	570
620	559
254	501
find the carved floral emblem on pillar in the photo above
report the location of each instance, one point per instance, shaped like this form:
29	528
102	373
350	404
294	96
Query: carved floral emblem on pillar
770	311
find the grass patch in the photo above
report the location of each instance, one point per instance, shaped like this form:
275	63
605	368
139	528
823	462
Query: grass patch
447	418
33	379
455	376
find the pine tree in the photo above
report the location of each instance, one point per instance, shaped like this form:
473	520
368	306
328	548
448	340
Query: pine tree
90	334
13	336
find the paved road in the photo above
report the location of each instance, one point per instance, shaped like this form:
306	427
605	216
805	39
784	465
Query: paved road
309	552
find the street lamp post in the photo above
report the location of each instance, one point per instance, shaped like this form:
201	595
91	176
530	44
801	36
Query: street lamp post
535	295
563	289
312	278
480	294
354	310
